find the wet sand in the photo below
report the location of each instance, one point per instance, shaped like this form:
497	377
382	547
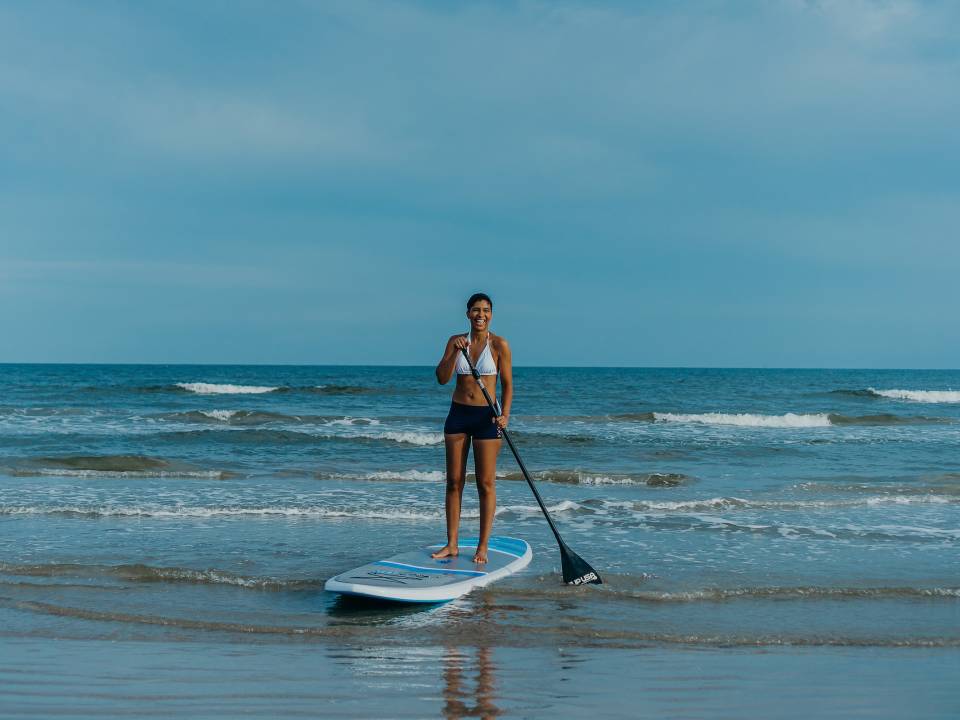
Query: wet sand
46	677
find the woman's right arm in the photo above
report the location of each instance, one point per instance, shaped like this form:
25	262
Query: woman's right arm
448	362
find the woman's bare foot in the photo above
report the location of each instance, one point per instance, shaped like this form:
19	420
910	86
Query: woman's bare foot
447	550
481	555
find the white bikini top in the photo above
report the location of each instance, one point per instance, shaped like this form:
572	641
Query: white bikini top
484	364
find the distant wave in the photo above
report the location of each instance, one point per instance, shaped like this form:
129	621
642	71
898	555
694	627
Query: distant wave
263	436
388	476
205	388
224	389
111	466
860	393
945	484
922	396
884	419
789	420
405	436
736	503
232	417
279	511
148	574
613	589
570	477
707	519
797	593
173	474
587	477
262	417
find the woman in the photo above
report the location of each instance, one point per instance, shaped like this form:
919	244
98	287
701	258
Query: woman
470	418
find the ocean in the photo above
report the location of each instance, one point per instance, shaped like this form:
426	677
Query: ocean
772	542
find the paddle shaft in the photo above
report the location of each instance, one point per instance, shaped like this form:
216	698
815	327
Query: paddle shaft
513	449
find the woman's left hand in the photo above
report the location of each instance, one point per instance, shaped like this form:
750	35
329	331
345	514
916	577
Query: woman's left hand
502	421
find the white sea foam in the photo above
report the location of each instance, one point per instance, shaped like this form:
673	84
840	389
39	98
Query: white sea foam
410	437
354	421
314	512
789	420
923	396
606	480
173	474
736	503
224	389
222	415
183	511
560	507
414	475
907	531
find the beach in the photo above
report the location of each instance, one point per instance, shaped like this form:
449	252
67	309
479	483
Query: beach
772	543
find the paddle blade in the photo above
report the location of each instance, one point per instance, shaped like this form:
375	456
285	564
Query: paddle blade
576	570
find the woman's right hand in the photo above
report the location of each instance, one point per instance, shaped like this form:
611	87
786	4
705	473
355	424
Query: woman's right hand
461	342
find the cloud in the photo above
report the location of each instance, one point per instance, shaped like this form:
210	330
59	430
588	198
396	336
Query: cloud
624	149
565	97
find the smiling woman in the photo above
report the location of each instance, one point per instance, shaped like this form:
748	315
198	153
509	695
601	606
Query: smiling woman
470	417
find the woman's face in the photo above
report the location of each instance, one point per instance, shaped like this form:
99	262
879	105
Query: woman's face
479	315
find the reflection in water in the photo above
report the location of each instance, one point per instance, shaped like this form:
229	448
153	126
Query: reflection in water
456	693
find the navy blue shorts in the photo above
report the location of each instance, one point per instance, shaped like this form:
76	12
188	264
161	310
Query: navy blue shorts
476	421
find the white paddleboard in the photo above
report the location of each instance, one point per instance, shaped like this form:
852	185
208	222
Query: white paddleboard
416	577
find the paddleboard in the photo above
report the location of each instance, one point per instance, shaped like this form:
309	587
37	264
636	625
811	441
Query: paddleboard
416	577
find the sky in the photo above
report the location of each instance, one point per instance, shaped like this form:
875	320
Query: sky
720	184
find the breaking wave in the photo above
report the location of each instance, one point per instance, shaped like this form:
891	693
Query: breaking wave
263	436
567	477
224	389
309	512
736	503
148	574
588	477
261	417
789	420
922	396
112	466
206	388
617	588
388	476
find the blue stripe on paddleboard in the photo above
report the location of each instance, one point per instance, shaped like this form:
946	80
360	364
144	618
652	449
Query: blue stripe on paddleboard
437	571
508	546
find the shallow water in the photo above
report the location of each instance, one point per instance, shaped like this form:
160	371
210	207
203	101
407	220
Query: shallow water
85	679
805	513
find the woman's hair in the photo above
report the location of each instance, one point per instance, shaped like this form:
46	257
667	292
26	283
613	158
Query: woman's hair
476	297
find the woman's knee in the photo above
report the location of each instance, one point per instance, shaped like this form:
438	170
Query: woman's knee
455	483
486	485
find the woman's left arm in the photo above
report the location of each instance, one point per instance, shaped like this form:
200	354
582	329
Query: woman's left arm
506	382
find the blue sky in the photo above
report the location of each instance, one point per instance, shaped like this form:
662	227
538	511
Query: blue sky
699	184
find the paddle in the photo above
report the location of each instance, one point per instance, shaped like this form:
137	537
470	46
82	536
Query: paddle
576	570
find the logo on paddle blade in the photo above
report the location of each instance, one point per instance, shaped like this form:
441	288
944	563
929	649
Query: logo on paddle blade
589	577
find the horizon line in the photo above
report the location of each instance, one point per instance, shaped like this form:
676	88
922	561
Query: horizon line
402	365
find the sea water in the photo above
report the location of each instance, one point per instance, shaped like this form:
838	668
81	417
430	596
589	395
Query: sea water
745	523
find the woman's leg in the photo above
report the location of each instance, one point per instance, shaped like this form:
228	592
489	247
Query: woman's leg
458	447
485	459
